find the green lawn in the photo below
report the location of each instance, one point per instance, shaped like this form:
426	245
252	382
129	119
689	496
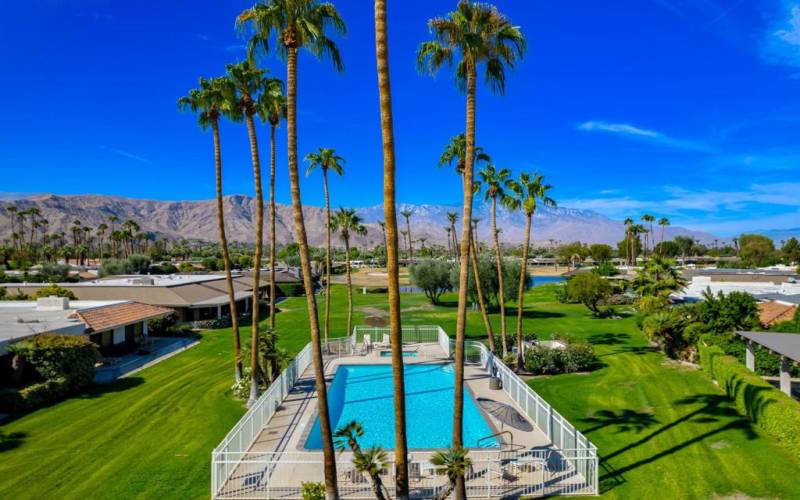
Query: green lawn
663	430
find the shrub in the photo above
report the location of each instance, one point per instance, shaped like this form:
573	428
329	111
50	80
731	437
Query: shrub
290	289
764	405
54	290
605	269
53	273
241	389
161	326
313	491
185	267
573	358
433	277
138	264
34	396
66	357
213	324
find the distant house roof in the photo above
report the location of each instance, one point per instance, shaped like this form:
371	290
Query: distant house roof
785	344
780	297
116	315
772	312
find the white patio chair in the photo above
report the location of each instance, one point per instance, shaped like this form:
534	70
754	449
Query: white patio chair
367	341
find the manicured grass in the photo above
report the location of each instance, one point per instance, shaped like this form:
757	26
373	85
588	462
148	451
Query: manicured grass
663	430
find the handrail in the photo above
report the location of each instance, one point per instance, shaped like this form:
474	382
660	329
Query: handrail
495	435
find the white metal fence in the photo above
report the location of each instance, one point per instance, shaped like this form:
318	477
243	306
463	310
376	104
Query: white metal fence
570	468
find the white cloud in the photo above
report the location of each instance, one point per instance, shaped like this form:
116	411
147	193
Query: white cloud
782	45
643	134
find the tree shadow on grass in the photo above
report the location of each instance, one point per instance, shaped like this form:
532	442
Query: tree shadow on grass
120	385
626	420
713	408
11	440
608	338
636	349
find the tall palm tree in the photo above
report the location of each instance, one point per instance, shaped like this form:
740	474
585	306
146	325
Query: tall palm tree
531	191
273	103
296	24
648	218
476	34
452	217
499	186
347	223
246	84
392	251
455	152
407	214
101	233
326	159
448	230
210	101
113	219
628	243
663	222
487	324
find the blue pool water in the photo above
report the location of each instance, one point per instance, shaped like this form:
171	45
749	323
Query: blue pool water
406	354
364	393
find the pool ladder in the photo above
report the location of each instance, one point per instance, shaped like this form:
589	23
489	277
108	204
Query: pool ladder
495	435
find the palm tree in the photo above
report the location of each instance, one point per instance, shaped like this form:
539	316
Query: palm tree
455	152
452	217
531	191
273	103
371	461
347	223
326	159
390	238
407	214
101	232
113	219
648	219
210	101
663	222
658	277
478	287
247	83
628	242
499	186
476	34
454	463
297	24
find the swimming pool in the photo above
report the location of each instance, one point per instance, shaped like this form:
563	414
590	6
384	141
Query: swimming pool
364	393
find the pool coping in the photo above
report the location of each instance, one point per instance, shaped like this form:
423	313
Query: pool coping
303	438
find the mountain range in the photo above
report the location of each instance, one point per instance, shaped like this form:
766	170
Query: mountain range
197	220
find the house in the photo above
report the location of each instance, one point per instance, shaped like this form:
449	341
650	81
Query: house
753	281
194	297
776	308
114	326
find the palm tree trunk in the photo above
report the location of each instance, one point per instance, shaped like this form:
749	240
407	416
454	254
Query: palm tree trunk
328	257
331	489
498	257
461	318
477	276
226	257
410	245
521	291
272	215
251	131
349	285
390	235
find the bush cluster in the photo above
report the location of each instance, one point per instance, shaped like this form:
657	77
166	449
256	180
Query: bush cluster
290	290
764	405
575	357
64	365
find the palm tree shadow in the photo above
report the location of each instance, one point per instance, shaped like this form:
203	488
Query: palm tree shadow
608	338
11	440
712	408
626	420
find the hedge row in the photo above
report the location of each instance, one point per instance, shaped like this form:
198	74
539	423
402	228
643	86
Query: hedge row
764	405
34	396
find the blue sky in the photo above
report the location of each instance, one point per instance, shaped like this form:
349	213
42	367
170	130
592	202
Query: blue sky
686	109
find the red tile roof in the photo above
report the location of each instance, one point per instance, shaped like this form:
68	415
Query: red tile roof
107	317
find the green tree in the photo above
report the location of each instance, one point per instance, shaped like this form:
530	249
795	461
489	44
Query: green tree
432	276
600	252
326	159
756	250
54	290
790	251
589	289
347	223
